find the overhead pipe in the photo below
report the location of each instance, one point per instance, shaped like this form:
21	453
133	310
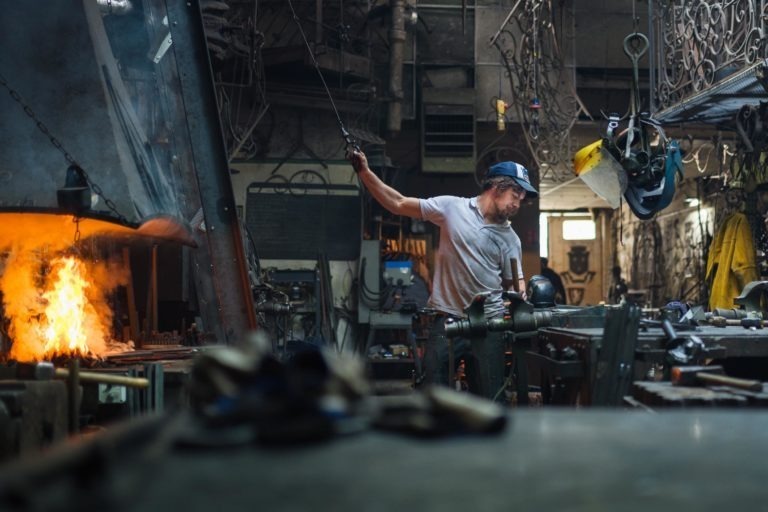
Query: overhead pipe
397	45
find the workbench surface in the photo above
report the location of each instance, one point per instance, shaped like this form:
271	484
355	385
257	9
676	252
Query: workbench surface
546	460
737	341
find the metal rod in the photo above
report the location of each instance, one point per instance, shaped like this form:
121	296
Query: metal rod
101	378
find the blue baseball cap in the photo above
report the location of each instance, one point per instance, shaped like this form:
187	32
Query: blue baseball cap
516	172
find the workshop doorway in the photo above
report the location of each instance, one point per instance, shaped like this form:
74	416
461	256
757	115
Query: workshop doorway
575	245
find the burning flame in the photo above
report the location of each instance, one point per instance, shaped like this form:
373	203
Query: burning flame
57	306
67	310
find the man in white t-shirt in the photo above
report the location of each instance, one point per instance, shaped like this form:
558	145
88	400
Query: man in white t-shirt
477	251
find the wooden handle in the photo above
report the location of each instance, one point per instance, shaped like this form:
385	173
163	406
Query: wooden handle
106	378
724	380
515	274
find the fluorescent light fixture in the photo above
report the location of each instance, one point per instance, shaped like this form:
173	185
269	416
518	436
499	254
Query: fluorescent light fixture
583	229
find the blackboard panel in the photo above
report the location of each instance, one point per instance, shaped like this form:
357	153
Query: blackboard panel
297	226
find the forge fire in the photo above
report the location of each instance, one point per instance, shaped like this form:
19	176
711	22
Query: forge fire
57	305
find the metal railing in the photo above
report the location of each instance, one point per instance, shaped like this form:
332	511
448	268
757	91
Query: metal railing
700	42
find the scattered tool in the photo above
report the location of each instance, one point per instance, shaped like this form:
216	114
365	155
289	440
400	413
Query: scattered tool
753	321
682	349
710	375
438	411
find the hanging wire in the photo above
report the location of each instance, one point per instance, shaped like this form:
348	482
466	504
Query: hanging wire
635	20
348	140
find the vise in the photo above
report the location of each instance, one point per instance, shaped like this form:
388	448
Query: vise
521	317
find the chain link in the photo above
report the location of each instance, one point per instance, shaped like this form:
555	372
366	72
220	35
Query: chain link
76	220
58	145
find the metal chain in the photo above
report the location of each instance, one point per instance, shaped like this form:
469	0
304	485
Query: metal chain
58	145
76	220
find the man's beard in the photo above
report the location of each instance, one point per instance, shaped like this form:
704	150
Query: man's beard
502	216
506	214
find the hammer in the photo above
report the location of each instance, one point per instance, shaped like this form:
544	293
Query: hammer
697	375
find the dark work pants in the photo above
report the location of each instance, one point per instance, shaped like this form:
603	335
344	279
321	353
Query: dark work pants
484	358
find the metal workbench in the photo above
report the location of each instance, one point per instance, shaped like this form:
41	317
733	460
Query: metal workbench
572	356
547	459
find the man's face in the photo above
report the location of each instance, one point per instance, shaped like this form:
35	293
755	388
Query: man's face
508	202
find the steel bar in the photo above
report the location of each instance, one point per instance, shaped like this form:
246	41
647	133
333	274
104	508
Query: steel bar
105	378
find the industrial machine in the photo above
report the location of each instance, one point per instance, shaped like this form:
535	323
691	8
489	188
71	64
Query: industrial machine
389	297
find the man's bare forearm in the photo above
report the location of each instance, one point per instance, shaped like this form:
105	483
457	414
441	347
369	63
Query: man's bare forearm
385	195
389	198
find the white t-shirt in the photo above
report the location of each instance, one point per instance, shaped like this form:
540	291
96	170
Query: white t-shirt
472	256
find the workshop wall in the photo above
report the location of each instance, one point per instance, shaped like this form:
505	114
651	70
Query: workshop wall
664	258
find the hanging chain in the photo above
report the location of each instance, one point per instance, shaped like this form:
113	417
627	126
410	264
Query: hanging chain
76	220
58	145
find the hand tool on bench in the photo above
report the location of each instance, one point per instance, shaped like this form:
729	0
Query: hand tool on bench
710	375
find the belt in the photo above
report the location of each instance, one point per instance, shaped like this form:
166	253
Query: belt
439	315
